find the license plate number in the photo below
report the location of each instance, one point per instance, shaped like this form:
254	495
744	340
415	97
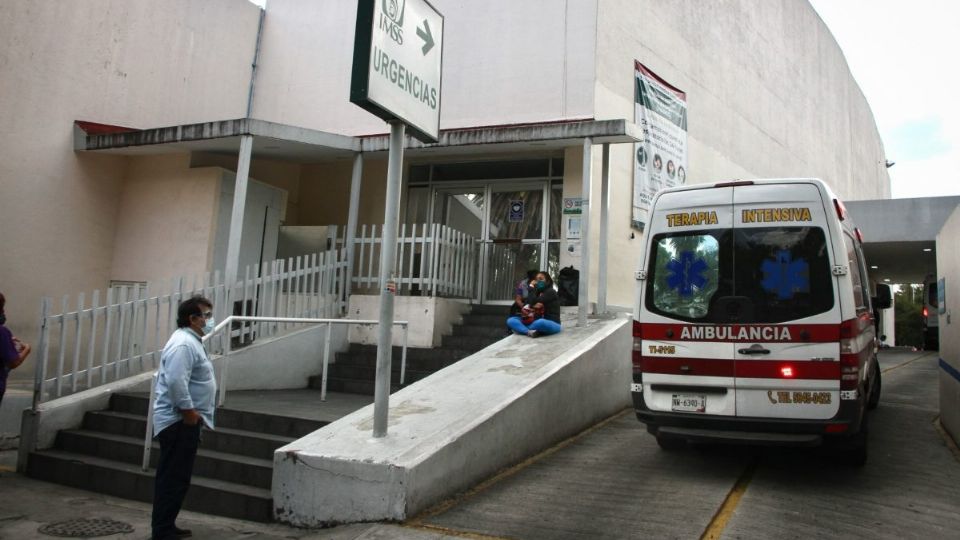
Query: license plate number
689	403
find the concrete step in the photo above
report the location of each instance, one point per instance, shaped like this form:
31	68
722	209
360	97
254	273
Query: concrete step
353	386
130	403
412	352
484	331
222	439
492	320
209	464
474	343
488	309
272	424
370	360
343	371
126	480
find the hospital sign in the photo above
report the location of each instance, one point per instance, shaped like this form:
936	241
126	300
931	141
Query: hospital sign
397	60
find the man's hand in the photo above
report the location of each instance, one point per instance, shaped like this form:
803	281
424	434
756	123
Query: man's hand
190	417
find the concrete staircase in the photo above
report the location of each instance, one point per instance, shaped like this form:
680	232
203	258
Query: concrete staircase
231	477
234	468
355	370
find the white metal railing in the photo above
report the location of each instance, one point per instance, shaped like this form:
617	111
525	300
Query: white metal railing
87	346
433	259
222	376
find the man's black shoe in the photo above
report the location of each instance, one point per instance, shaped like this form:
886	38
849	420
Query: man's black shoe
182	533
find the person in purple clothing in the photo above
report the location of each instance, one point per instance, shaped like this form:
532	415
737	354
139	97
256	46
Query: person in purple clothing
12	351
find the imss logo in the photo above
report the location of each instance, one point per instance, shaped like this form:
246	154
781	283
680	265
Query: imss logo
391	19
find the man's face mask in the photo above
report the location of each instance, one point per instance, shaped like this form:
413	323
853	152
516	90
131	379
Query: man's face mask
208	325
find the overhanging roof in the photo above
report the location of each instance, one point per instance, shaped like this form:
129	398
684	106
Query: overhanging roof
520	137
272	141
900	235
290	143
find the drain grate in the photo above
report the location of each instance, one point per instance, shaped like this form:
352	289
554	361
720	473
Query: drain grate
85	528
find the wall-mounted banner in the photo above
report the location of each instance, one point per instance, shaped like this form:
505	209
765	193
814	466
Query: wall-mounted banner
660	161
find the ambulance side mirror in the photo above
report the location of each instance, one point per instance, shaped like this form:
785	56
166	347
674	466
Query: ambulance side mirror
883	299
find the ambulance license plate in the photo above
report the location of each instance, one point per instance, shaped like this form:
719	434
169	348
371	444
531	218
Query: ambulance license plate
689	403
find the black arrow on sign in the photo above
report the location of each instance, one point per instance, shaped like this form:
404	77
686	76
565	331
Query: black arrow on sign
426	36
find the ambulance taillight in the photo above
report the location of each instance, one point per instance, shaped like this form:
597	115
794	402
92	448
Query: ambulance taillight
849	358
637	341
841	209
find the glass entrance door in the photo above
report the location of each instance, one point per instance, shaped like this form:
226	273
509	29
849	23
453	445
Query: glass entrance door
514	243
516	232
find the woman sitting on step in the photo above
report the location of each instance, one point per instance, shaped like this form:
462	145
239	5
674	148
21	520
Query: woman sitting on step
541	314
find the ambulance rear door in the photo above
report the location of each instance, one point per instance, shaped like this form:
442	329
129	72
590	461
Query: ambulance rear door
688	266
787	340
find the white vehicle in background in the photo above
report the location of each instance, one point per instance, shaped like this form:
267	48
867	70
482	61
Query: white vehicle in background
931	317
754	322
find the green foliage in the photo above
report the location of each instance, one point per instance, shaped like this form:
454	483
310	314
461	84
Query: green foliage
908	307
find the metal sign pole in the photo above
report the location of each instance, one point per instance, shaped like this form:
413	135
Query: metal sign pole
583	302
388	255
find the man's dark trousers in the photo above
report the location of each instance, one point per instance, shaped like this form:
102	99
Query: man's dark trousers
178	448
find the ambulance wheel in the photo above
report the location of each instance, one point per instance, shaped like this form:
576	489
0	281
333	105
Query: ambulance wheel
852	452
670	444
875	387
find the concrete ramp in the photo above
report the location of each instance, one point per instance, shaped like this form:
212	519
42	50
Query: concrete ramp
456	427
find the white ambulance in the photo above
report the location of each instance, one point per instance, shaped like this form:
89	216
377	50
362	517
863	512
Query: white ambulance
754	321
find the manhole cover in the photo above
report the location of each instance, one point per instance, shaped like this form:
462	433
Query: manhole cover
85	528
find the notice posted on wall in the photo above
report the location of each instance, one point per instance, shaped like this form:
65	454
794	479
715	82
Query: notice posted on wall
660	161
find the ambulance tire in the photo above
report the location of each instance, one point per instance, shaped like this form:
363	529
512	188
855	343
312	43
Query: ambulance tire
875	387
670	444
853	451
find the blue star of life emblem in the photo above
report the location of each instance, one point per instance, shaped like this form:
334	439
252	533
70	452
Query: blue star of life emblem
785	276
686	273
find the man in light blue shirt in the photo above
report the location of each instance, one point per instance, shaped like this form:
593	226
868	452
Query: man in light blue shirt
186	392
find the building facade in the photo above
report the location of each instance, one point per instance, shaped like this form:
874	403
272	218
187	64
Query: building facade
84	206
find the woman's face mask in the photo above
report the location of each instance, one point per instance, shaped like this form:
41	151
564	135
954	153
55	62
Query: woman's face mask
541	284
3	318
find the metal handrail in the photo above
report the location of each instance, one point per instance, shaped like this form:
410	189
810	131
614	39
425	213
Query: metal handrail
221	384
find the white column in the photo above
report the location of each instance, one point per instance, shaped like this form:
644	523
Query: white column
584	298
388	256
604	230
236	217
352	219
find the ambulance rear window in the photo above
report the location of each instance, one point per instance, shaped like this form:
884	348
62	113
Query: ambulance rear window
751	275
686	274
784	271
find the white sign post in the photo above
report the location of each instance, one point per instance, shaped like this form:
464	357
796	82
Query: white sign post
397	64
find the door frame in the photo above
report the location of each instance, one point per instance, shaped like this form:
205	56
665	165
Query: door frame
488	187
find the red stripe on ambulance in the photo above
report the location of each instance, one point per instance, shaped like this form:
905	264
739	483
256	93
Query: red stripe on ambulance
737	333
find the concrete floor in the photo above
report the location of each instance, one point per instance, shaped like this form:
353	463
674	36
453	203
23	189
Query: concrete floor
615	482
29	504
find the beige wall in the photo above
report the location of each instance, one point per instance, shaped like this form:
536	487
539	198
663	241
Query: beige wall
769	92
769	95
325	192
139	64
283	175
948	267
167	219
